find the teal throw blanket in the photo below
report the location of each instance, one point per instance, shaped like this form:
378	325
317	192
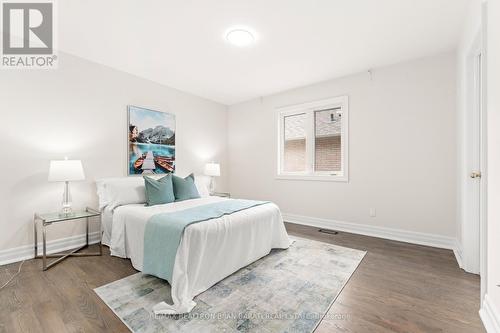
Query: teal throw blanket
164	231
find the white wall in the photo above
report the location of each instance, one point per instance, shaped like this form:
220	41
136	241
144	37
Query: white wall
493	110
402	149
80	111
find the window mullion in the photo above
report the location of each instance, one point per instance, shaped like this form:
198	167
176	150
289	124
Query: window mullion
343	141
281	142
310	147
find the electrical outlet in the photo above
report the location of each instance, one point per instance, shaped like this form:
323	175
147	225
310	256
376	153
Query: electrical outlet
373	212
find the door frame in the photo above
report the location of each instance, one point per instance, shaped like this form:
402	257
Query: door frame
483	254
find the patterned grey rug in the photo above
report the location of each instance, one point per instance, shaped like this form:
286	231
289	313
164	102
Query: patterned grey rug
287	291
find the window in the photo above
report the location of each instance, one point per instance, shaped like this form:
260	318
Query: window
295	143
313	140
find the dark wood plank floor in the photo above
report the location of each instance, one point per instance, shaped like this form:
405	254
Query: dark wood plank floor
398	287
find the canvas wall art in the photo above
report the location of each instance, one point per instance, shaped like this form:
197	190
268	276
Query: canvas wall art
151	141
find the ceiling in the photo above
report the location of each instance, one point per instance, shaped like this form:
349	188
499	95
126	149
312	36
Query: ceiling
299	42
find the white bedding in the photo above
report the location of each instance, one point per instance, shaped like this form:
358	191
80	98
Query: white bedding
106	225
209	251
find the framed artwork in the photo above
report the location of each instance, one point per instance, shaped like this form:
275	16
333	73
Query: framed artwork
151	141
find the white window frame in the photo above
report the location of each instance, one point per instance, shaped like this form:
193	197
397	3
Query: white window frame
309	109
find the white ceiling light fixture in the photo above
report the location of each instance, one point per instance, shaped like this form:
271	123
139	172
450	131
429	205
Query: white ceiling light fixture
240	37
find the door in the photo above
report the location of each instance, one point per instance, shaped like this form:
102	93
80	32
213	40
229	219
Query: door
475	236
474	169
474	182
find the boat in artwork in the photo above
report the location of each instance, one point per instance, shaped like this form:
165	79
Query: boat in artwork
149	162
139	161
166	163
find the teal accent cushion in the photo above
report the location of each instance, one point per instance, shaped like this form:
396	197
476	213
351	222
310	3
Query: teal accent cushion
184	188
159	191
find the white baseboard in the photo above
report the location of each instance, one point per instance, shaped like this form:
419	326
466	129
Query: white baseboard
490	316
458	254
27	251
375	231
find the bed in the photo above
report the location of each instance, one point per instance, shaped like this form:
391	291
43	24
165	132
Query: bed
208	251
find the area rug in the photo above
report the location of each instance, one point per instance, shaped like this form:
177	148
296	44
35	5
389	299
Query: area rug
286	291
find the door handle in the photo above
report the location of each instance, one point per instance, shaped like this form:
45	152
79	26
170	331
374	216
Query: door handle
475	174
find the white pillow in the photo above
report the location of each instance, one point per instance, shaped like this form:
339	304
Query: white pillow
114	192
202	183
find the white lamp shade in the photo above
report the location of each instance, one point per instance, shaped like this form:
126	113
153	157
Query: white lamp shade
212	169
66	170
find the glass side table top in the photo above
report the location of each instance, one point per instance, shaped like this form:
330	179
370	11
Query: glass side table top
58	216
222	194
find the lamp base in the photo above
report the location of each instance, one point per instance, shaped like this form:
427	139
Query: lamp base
66	202
66	209
212	185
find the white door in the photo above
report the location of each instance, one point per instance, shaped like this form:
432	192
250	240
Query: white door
474	232
474	196
474	167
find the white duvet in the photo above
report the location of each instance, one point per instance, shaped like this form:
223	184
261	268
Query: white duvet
209	251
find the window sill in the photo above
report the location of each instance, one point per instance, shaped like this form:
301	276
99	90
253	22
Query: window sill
321	178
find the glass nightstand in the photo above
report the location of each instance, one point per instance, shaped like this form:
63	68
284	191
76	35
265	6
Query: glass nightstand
50	218
222	194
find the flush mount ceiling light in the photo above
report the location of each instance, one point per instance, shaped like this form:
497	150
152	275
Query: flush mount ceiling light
240	37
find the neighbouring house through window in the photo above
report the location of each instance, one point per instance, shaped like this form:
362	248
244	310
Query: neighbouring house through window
313	140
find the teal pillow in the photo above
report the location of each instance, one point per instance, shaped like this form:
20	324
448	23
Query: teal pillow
159	191
184	188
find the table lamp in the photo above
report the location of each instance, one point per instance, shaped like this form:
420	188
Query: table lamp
212	170
66	171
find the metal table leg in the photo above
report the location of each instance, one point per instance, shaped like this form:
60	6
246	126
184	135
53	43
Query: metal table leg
44	236
35	235
87	231
100	232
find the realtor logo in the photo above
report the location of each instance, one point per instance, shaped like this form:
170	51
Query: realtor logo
28	35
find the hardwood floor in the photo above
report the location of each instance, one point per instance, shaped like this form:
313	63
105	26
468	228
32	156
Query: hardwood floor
398	287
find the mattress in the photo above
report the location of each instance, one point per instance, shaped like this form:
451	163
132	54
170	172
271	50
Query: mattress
209	251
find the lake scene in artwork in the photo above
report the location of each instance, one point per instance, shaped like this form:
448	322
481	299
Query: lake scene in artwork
151	141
